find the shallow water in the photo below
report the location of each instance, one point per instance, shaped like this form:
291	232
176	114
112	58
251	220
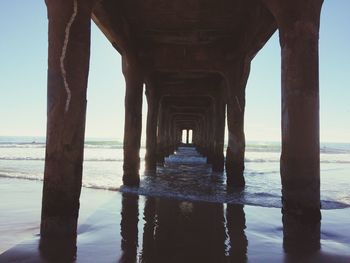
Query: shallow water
184	213
186	177
132	228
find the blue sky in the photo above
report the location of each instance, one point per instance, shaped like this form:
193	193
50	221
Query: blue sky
23	68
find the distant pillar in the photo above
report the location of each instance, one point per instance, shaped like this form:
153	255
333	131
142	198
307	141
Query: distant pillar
235	122
151	131
219	136
300	158
211	124
68	68
187	136
161	134
133	121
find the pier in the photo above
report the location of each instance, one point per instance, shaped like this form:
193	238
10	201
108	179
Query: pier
192	59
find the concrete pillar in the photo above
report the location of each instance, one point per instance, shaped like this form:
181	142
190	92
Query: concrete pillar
211	123
298	23
151	131
187	136
68	68
160	134
236	83
219	136
133	121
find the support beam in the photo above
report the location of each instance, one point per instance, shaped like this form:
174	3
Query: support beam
236	83
161	134
133	121
68	68
151	131
219	136
300	158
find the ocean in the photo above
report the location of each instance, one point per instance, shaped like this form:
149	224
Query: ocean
185	177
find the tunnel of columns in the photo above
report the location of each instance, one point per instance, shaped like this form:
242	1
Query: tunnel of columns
192	60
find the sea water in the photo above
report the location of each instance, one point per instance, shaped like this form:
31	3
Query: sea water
185	175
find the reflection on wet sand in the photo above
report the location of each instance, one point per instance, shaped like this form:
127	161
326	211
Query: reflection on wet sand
300	238
58	250
129	230
235	217
180	231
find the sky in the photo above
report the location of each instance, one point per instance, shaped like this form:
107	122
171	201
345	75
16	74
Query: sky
23	68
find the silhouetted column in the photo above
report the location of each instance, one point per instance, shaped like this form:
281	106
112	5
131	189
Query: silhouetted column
166	132
160	134
211	123
298	23
218	159
133	121
151	131
235	121
128	228
187	136
68	68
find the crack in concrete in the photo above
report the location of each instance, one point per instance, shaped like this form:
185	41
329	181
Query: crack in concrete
63	55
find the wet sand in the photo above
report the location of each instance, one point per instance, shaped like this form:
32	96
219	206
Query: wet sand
120	227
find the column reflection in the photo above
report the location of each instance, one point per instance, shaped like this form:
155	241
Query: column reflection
129	230
181	231
235	217
300	236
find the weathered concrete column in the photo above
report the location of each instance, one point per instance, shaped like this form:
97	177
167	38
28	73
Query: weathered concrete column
236	83
298	23
211	127
160	134
68	68
166	132
151	131
133	120
218	156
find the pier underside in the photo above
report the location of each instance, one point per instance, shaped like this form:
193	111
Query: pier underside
193	58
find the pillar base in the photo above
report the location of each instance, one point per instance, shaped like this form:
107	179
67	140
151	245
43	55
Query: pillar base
235	174
151	167
235	181
300	212
131	179
150	164
160	159
218	164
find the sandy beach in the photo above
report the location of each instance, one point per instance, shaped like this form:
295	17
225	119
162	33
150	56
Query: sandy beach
120	227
